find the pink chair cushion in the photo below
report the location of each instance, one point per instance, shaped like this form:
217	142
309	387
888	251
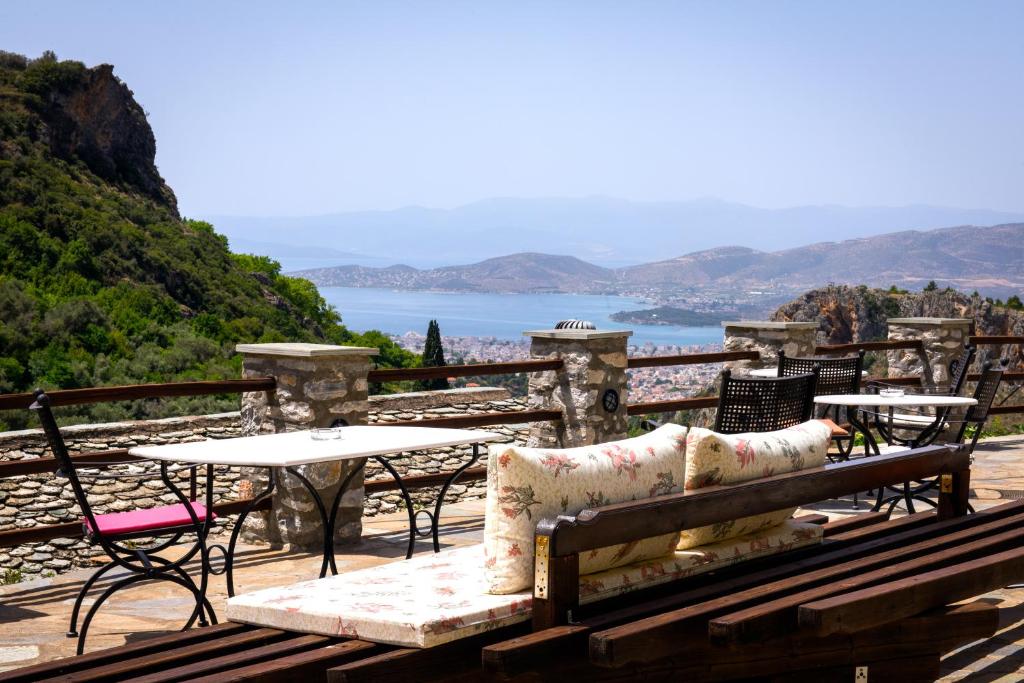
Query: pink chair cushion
146	519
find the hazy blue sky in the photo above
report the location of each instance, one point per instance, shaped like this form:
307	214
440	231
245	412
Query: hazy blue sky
304	108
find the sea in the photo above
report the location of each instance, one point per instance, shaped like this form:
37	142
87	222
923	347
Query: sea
502	316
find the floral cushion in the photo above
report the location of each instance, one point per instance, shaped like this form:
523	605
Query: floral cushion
526	485
438	598
713	459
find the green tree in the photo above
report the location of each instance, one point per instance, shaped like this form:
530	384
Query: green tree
931	286
433	357
1015	303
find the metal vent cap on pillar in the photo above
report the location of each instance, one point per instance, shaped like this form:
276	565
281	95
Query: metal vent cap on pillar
575	325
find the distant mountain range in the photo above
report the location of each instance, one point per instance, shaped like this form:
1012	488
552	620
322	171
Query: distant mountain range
608	231
989	259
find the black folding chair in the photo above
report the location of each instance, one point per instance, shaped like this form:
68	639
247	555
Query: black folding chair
111	531
753	404
835	376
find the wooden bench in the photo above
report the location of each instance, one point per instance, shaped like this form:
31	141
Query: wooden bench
877	593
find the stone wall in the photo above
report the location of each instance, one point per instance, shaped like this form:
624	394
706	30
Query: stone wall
943	338
767	338
43	499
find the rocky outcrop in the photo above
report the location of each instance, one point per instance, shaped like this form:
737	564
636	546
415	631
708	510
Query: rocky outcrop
848	314
96	119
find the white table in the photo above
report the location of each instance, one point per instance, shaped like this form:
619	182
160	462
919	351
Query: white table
873	404
289	450
774	372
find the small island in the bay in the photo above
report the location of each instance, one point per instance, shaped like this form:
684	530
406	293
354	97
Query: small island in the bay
669	315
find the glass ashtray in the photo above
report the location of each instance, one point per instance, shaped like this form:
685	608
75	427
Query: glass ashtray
891	393
326	433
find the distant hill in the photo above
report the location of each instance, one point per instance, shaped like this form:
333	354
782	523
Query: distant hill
101	281
989	259
604	230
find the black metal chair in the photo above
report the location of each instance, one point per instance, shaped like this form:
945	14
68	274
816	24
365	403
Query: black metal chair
752	404
835	376
111	531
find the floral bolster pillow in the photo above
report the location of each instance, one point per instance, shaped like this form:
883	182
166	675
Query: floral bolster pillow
526	485
713	459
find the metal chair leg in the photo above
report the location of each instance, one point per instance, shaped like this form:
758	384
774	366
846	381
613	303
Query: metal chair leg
73	628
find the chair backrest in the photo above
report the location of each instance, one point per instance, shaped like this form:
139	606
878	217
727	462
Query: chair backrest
65	466
835	375
958	369
750	404
985	395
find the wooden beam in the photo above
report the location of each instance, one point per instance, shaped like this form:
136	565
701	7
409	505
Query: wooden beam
872	606
652	407
132	392
481	419
656	636
625	522
406	374
690	359
777	616
855	522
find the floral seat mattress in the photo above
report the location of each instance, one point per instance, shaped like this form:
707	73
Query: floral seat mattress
437	598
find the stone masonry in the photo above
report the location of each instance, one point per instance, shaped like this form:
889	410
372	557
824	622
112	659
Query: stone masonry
944	340
318	385
595	364
767	338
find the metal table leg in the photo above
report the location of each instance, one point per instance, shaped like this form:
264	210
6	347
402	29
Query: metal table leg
229	552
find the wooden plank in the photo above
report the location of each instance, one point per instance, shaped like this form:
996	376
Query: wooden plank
625	522
855	522
1006	410
513	657
132	392
885	345
562	595
18	468
482	419
998	339
689	359
477	369
905	523
779	615
294	644
653	407
875	605
451	661
46	532
303	666
124	653
812	518
172	656
954	491
657	636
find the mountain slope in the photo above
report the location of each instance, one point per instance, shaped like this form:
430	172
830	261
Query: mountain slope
101	281
989	259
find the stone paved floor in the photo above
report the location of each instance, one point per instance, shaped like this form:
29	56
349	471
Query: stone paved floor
33	615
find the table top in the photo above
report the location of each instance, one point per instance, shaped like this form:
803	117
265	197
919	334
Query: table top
774	372
895	401
300	448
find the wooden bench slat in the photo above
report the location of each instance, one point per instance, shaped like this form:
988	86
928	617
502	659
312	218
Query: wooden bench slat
779	615
855	522
303	666
296	643
914	521
657	636
154	661
852	612
67	665
812	518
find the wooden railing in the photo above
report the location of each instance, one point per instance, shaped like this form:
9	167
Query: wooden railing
69	397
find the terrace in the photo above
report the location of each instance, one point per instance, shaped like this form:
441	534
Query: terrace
584	361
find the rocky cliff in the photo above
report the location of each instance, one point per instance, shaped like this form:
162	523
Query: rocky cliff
847	314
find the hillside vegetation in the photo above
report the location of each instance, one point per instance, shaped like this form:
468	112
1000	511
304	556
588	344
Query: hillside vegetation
101	281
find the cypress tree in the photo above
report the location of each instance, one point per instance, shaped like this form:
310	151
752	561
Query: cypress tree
433	357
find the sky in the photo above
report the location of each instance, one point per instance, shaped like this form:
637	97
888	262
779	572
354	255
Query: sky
265	109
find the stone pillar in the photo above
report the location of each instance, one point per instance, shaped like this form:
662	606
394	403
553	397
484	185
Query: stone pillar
768	338
944	340
318	385
594	375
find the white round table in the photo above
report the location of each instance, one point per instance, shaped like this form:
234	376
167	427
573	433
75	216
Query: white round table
873	404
